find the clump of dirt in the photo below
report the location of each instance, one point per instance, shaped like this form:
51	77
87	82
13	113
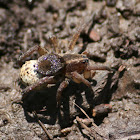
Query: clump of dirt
111	38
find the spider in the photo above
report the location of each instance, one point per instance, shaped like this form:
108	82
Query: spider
53	67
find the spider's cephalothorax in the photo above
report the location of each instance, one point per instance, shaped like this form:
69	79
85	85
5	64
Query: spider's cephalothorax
75	62
51	68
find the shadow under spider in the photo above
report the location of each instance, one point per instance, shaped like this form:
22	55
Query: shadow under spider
44	102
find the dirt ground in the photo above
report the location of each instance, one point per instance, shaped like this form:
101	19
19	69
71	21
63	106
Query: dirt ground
112	38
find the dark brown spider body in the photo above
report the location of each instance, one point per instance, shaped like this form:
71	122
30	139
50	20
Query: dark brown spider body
75	62
50	64
54	64
56	67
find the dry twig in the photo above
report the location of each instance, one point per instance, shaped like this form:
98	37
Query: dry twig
96	128
42	125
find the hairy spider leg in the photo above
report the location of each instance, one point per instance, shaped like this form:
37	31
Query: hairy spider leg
39	49
39	83
54	42
76	77
97	67
75	38
77	34
60	89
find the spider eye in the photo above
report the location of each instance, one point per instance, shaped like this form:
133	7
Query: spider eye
85	61
84	56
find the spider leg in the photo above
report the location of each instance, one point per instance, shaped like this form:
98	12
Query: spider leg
62	86
79	78
39	83
54	42
95	67
39	49
77	34
75	38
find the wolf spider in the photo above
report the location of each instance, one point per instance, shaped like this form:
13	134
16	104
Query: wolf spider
54	67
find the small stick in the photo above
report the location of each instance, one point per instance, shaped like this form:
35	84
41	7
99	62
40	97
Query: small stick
84	126
97	130
42	125
83	111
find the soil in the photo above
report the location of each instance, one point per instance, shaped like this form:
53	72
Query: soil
112	38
